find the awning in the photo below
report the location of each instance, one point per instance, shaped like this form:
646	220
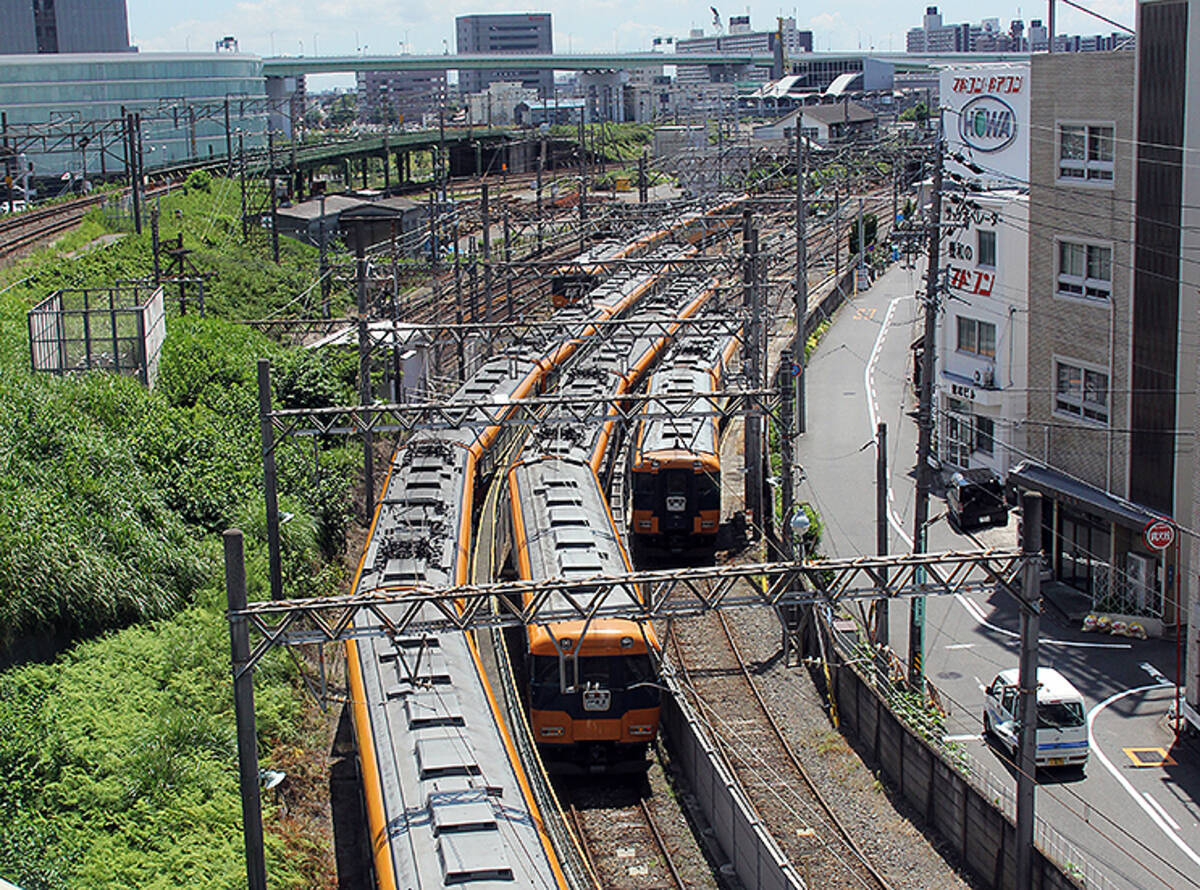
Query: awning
1033	476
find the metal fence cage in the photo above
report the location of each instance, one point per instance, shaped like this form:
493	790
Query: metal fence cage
112	328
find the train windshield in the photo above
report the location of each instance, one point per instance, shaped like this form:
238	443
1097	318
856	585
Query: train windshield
603	671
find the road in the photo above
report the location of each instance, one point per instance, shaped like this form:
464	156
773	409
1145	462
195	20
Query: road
1130	815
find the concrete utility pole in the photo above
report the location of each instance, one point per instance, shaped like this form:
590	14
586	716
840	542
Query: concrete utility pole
364	365
486	224
228	142
752	445
270	494
243	706
1031	617
801	307
508	275
916	623
862	244
274	204
882	628
242	178
541	164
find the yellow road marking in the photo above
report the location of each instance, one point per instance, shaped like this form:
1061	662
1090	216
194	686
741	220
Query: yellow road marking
1149	757
866	314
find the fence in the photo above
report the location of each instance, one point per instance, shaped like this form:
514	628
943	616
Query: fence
969	807
98	329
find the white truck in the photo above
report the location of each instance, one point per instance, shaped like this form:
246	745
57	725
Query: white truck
1062	733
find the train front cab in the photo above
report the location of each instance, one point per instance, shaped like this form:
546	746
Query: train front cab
594	707
676	506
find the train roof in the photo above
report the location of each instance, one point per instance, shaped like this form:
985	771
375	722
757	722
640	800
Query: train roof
695	434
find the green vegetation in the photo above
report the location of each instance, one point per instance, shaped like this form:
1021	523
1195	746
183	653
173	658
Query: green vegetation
117	761
613	142
870	225
918	113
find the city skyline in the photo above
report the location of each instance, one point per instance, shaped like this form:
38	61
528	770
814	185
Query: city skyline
342	27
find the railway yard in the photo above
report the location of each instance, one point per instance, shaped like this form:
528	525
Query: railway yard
512	359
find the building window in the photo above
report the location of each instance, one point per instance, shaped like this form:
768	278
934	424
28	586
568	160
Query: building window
1080	392
1084	270
985	434
1085	153
976	337
987	248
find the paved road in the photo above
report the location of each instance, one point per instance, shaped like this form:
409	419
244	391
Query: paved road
1139	824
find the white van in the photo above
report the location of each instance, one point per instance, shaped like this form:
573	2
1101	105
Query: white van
1062	734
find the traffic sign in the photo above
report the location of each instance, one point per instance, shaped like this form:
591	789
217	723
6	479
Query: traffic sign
1159	534
796	369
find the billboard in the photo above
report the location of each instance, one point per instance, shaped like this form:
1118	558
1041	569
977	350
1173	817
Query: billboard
986	121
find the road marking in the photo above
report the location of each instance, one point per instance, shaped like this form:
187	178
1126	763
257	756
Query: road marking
977	613
965	737
1155	673
961	646
1124	782
979	683
1158	757
1154	803
872	412
865	314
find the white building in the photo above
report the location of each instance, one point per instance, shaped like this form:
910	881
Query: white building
496	105
982	338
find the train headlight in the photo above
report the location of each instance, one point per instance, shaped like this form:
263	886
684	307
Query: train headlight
706	523
551	731
638	730
644	523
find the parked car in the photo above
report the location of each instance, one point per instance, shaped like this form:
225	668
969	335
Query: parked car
1062	733
976	499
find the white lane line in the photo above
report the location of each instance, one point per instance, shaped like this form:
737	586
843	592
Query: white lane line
960	646
1155	673
872	411
977	613
1167	816
965	737
979	683
1124	782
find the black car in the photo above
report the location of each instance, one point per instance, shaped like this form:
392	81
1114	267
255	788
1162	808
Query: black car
976	499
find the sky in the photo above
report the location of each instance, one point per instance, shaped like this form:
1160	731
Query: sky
343	27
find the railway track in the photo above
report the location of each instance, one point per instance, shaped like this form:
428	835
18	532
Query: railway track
768	769
626	838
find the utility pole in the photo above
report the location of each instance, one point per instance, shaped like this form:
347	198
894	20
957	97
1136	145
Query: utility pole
882	628
134	169
916	623
243	706
228	142
324	263
1031	617
540	165
862	244
508	276
837	240
274	207
643	185
485	218
270	490
242	178
801	308
582	181
154	246
752	446
364	365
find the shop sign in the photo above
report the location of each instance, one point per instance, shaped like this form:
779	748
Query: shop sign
987	124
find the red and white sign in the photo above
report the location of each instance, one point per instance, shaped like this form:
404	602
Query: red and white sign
973	281
1159	534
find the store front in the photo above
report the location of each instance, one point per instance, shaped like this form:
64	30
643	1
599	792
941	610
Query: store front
1094	542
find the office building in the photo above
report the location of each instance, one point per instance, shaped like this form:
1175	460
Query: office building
507	34
741	39
63	26
395	97
934	36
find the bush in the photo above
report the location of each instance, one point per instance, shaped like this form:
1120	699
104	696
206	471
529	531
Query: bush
199	181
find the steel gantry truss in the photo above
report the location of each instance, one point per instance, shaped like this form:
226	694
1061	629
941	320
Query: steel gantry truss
643	596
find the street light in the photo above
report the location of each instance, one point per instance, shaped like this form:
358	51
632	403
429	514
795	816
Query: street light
800	525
